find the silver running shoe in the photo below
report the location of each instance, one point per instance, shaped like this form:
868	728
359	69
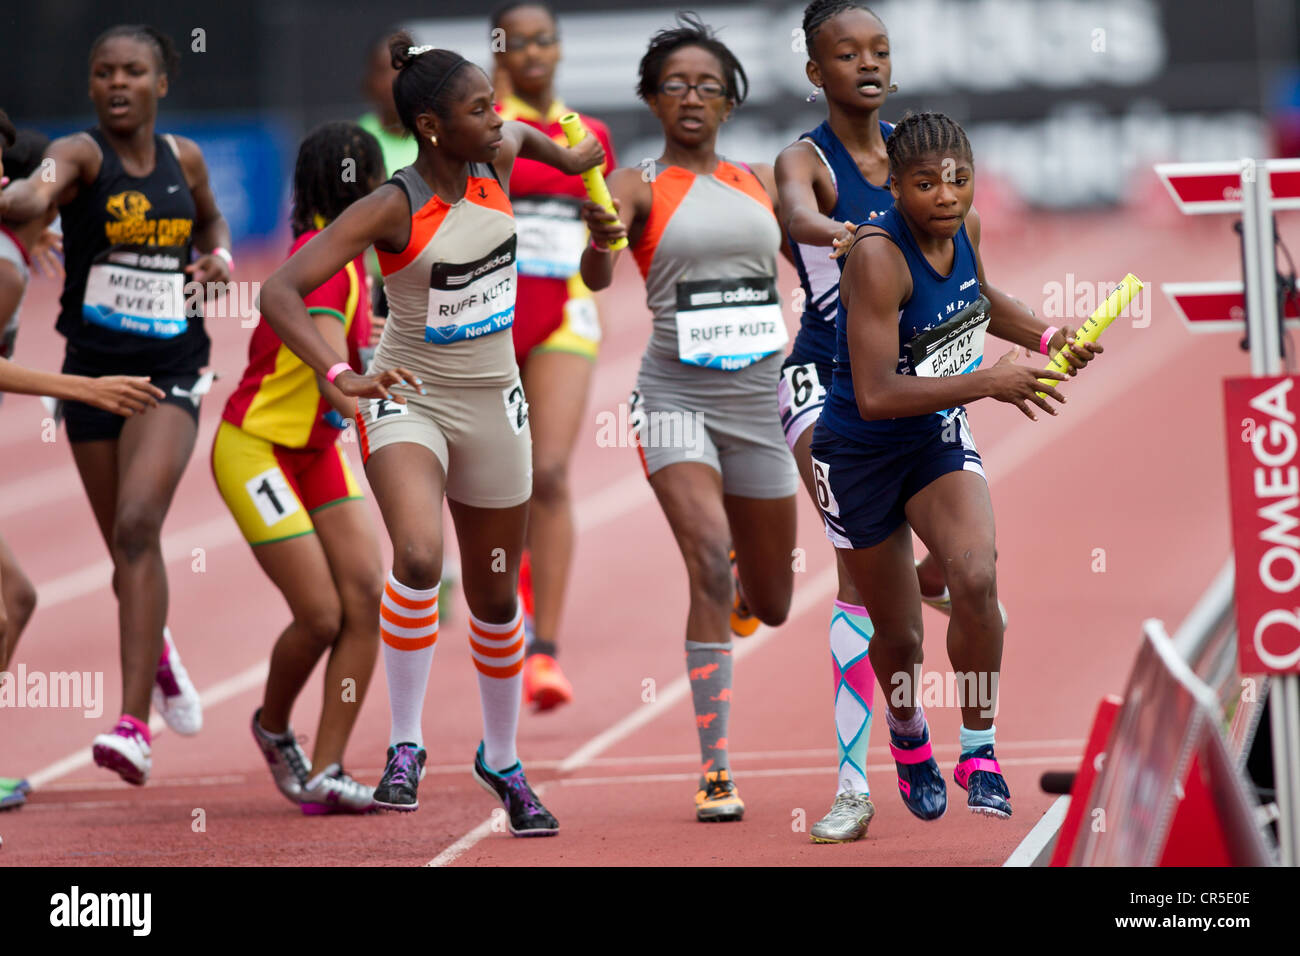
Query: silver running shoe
943	602
333	791
290	767
847	820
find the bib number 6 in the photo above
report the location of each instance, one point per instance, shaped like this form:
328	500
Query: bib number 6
822	485
803	387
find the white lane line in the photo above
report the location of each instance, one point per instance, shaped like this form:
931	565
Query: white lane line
55	484
456	769
221	691
179	545
473	836
1007	455
614	501
822	770
1038	841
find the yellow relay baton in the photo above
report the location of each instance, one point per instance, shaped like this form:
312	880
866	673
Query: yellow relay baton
574	131
1096	324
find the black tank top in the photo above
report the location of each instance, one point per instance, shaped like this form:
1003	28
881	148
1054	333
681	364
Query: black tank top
126	242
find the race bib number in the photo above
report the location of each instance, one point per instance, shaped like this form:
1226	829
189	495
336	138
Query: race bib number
516	407
822	486
386	408
468	300
272	496
551	234
953	348
580	315
729	323
139	290
800	388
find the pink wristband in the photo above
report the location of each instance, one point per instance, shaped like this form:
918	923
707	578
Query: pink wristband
1043	346
334	371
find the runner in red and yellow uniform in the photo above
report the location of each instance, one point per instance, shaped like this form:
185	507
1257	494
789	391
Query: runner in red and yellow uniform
281	470
556	330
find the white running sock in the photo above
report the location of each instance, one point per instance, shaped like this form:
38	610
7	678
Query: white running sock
498	651
408	624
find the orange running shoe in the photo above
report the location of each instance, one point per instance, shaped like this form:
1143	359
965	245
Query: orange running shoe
545	685
743	622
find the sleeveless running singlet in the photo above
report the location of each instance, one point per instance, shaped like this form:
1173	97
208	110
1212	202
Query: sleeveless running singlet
935	301
451	291
708	256
126	245
819	275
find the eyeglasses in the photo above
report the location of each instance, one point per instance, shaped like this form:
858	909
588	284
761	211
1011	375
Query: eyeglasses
708	90
543	40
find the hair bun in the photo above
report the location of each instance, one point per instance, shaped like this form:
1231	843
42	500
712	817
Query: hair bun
402	50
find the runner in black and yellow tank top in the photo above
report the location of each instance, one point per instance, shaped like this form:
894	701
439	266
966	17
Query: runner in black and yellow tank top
137	208
445	235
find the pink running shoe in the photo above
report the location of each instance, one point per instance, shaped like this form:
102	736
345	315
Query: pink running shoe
125	751
174	696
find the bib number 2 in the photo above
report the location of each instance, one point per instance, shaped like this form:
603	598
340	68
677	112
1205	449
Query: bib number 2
516	407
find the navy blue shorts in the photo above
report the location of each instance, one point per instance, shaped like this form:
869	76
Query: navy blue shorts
862	489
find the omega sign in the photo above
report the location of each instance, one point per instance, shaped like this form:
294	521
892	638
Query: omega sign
1264	487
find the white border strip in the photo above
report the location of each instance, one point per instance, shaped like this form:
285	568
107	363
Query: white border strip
1036	847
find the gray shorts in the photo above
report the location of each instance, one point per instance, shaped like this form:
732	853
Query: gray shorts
479	434
726	420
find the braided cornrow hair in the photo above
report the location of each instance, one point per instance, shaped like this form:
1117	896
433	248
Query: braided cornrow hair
817	13
320	187
918	135
168	60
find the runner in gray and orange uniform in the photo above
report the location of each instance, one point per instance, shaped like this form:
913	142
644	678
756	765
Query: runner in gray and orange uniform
704	233
445	235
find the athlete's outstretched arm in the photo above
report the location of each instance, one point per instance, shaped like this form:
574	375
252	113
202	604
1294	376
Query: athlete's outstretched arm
873	287
768	178
632	200
69	162
805	188
1012	320
120	394
382	218
529	142
211	231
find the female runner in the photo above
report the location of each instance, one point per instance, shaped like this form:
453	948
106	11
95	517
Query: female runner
281	471
892	452
556	332
446	242
705	235
134	206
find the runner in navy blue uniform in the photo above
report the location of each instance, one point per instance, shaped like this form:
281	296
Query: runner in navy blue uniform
893	452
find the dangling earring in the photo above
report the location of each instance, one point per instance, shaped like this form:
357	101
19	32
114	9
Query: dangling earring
434	139
812	97
893	87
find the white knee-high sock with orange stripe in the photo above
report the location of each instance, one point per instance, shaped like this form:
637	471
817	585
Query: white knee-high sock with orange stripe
498	651
408	624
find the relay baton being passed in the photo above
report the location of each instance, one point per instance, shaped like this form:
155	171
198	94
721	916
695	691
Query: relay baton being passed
574	131
1096	324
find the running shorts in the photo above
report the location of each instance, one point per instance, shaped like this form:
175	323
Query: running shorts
273	491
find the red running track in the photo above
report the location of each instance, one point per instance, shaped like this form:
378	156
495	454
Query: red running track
1133	467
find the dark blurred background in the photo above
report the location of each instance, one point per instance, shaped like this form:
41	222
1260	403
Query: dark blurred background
1068	102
